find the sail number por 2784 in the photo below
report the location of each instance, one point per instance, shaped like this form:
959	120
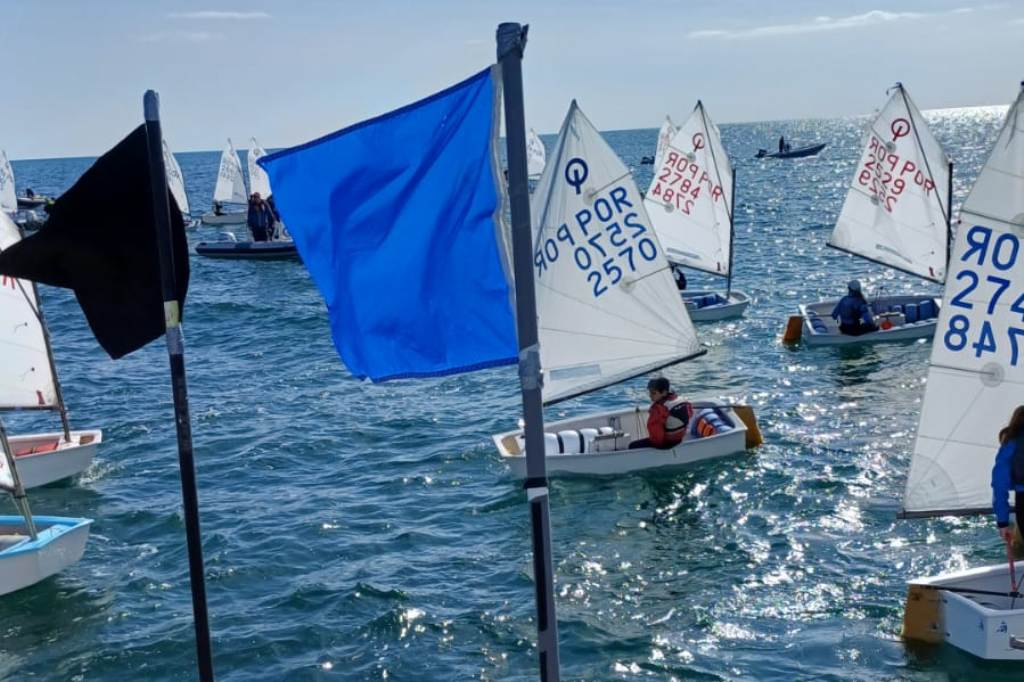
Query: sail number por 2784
991	280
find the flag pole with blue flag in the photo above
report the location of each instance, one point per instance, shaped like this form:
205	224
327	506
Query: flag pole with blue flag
399	221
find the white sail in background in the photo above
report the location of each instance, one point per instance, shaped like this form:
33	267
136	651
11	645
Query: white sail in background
230	187
25	376
8	195
690	198
665	135
895	211
607	306
258	179
535	154
175	180
976	374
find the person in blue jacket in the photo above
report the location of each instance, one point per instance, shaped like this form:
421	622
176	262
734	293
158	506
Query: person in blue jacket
853	312
1008	474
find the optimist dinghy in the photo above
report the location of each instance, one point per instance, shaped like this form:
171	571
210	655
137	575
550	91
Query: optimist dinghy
897	214
230	189
33	548
975	380
690	203
608	310
28	381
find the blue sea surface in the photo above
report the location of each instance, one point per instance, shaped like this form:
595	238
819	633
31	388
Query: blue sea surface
356	531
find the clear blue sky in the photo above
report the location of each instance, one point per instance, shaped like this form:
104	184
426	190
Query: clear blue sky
289	71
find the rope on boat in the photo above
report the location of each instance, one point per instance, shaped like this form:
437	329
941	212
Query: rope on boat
970	590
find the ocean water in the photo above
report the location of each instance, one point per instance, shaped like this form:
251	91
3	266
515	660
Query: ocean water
358	531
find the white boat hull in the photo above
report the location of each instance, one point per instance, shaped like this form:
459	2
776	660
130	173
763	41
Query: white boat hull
979	624
25	562
723	309
38	464
232	218
819	329
613	456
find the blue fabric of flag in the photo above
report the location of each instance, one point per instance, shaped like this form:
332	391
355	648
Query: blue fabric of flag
397	220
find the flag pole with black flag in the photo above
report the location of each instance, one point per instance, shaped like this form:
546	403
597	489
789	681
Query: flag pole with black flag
179	387
117	239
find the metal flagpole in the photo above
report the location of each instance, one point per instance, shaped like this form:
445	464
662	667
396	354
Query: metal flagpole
511	39
176	351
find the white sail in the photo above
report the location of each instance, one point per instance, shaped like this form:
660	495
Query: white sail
25	376
607	305
175	180
690	197
8	195
258	179
535	154
230	180
895	211
976	375
665	135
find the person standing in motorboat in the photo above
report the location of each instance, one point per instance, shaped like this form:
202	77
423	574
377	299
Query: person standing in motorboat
218	208
853	312
782	143
259	218
667	417
1008	474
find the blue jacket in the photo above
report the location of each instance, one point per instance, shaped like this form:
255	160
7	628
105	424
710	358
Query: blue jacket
259	216
1002	483
850	310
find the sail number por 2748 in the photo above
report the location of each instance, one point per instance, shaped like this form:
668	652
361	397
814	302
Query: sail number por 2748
991	280
605	241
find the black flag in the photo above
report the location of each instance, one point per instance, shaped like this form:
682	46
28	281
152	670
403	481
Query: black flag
101	241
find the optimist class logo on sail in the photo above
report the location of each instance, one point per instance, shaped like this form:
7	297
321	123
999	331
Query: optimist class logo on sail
982	313
607	239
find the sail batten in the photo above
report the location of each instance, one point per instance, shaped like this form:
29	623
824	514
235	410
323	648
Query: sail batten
230	186
689	197
978	351
607	305
26	376
896	210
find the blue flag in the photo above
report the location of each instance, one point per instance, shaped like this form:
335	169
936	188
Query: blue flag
397	221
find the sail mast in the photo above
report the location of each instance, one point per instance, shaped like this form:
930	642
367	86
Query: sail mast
949	217
732	233
13	482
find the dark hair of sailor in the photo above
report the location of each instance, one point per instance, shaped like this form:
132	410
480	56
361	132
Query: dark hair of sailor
659	384
1015	429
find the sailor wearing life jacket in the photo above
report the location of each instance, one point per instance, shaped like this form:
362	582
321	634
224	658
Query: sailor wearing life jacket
667	418
1008	474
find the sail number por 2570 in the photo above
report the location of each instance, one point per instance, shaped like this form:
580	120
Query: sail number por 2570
999	255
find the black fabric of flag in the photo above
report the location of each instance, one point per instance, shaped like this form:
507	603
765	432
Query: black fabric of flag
101	241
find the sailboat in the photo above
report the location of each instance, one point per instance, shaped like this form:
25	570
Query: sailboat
230	189
28	381
690	202
535	155
280	248
897	214
176	183
608	311
32	548
8	195
665	134
975	380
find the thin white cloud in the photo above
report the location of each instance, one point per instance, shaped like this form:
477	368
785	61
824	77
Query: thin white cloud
181	36
820	24
218	14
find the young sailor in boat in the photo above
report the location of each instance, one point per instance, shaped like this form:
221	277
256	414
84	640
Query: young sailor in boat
680	277
667	418
218	208
259	219
1008	474
853	312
